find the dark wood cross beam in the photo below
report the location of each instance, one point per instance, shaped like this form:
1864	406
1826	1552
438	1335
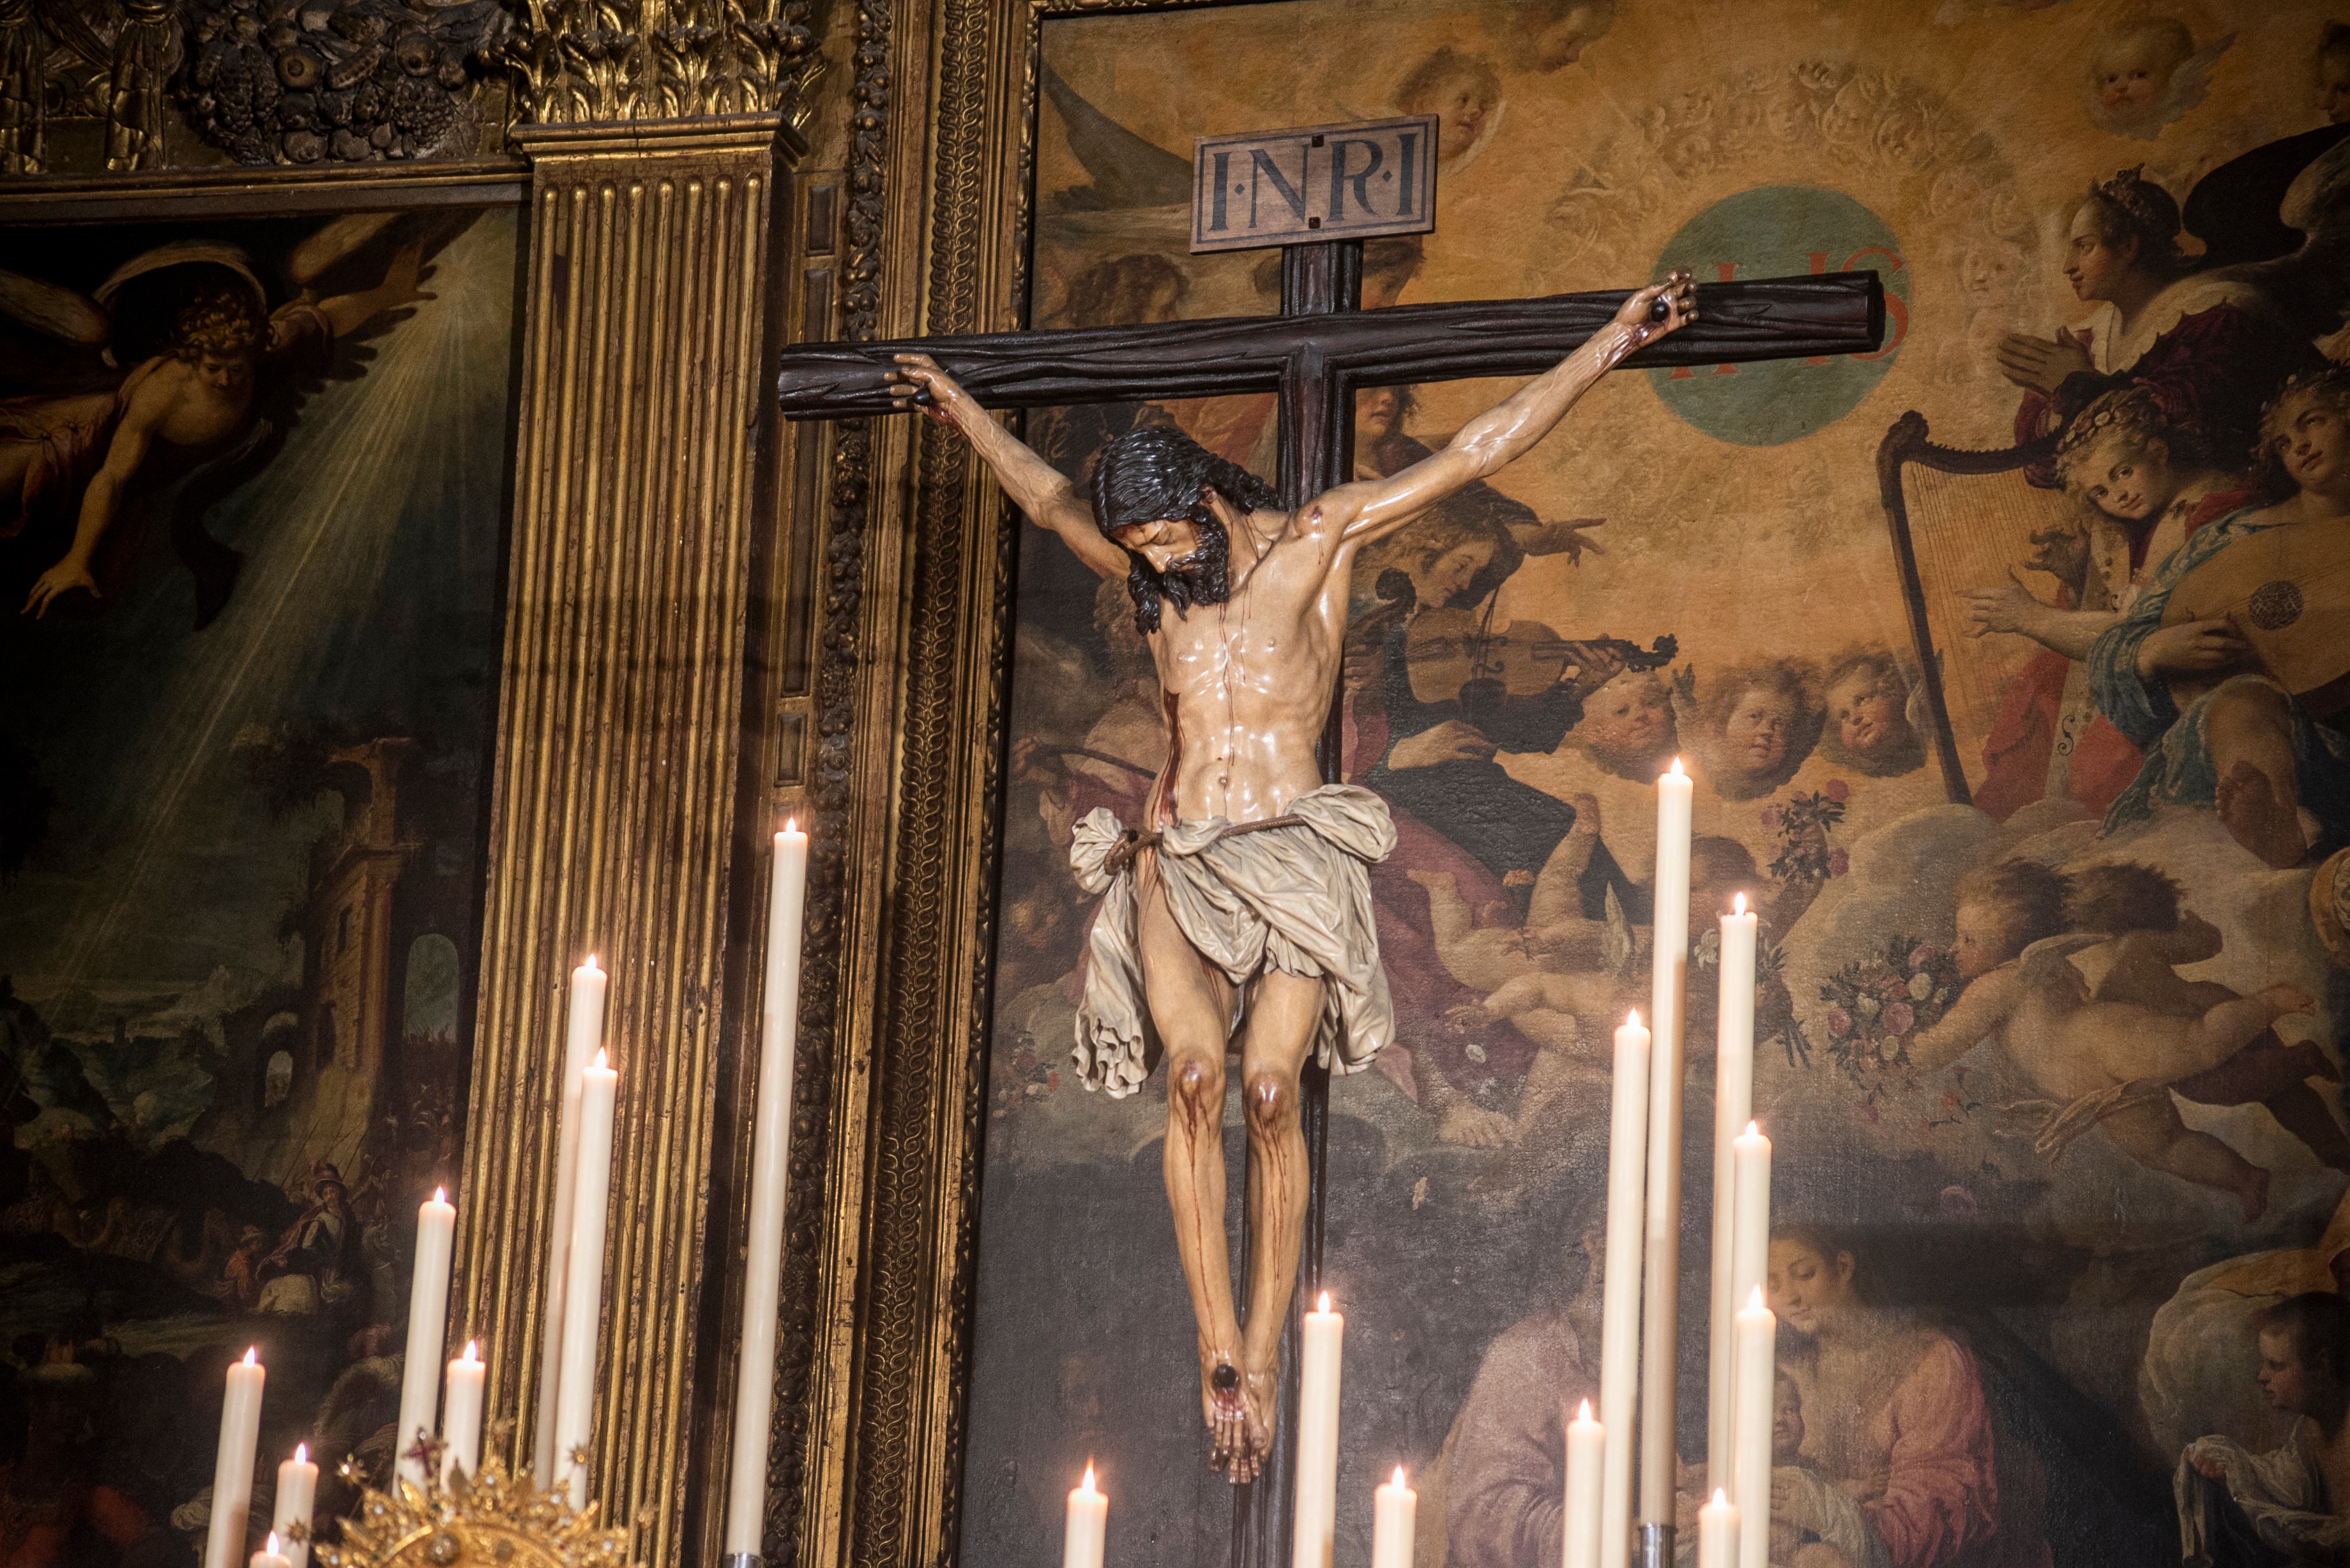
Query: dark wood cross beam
1316	354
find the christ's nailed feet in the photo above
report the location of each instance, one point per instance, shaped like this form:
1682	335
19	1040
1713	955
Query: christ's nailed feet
1220	1397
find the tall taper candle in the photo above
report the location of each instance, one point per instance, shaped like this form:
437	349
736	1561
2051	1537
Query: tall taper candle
1733	1102
770	1155
1586	1443
1717	1532
297	1493
1317	1437
240	1430
1660	1287
1758	1362
428	1323
461	1415
1750	1252
1619	1311
1085	1536
583	1292
583	1033
1395	1512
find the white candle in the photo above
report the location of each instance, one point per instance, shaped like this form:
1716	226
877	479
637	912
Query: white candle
1395	1510
461	1415
1717	1533
1082	1543
1585	1444
240	1431
770	1153
1734	1103
297	1492
583	1291
427	1322
1619	1312
1758	1362
267	1557
1317	1437
1750	1253
583	1034
1660	1288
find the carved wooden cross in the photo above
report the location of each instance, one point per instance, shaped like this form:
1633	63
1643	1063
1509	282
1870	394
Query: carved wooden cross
1316	354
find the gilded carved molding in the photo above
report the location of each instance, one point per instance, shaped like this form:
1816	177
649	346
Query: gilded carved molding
593	61
612	816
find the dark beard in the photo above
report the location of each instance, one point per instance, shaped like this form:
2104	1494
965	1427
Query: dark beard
1201	578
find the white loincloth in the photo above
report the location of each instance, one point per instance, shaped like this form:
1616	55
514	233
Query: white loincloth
1294	899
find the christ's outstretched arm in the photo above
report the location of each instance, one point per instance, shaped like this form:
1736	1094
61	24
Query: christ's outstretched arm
1367	509
1036	486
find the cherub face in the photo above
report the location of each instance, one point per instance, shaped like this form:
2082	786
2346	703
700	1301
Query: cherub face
1985	940
2123	478
2284	1375
1463	106
1754	736
224	372
2333	88
2130	73
1377	415
1627	718
1448	575
2094	266
1562	42
1786	1418
2316	448
1866	715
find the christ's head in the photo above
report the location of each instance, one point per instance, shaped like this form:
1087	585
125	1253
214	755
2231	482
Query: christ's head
1168	502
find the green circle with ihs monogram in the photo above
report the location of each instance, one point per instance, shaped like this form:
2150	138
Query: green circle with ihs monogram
1784	231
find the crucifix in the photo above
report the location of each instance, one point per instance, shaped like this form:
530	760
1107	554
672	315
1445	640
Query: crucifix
1232	585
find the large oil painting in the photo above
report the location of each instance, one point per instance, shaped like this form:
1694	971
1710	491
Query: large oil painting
253	493
2012	662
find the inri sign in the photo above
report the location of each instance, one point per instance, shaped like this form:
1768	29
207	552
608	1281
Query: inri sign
1316	182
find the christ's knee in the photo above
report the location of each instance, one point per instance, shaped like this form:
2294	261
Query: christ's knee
1272	1105
1195	1092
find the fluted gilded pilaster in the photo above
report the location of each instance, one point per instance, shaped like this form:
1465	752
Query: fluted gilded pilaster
614	816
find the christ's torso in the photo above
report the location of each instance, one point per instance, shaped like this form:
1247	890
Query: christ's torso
1246	686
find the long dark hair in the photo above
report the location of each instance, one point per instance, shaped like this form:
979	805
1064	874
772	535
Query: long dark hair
1159	475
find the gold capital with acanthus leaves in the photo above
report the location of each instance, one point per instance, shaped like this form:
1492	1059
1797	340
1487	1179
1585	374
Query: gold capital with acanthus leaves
586	62
492	1520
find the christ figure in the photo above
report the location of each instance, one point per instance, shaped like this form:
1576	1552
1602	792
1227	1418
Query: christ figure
1237	917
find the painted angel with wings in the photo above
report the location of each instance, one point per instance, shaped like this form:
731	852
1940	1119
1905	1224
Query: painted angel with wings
175	381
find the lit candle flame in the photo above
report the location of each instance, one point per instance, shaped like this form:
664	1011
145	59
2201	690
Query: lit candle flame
439	1195
301	1453
1738	903
472	1356
1399	1477
590	963
1325	1301
1721	1498
1087	1486
252	1355
1633	1018
603	1061
1582	1411
1753	1130
1677	769
1754	1300
790	824
272	1548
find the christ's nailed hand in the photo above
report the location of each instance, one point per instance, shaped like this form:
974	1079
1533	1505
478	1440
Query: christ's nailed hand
918	383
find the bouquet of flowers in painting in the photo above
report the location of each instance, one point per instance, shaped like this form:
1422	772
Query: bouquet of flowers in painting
1877	1004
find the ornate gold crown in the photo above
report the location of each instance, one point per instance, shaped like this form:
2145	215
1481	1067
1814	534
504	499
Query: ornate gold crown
492	1521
